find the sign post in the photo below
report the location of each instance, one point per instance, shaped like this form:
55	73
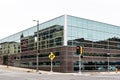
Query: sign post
51	57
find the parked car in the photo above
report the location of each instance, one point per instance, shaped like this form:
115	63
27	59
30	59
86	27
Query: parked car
112	68
101	68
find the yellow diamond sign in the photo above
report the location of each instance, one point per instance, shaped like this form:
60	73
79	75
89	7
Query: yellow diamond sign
51	56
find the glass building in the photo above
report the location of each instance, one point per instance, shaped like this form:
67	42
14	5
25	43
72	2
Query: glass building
100	43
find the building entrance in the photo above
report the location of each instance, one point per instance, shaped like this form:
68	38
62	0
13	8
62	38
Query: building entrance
5	60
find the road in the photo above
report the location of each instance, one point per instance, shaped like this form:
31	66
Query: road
6	74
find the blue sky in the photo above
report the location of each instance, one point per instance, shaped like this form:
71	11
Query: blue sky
18	15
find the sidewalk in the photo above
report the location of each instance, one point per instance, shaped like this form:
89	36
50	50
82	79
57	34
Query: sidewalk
16	68
47	72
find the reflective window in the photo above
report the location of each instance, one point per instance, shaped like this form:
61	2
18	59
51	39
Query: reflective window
88	33
50	34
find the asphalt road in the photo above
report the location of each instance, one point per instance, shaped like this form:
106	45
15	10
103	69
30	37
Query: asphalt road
20	75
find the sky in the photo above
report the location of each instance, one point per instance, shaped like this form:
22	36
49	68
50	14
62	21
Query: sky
18	15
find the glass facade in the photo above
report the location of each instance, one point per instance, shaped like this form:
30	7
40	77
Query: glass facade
88	33
84	32
50	35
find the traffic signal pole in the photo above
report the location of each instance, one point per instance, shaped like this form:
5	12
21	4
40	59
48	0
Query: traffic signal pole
79	63
79	51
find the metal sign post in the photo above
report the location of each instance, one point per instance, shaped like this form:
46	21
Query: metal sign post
51	57
51	66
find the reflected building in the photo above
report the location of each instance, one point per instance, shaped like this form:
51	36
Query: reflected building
26	43
61	36
8	48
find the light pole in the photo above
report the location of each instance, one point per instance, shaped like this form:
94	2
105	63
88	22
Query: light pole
108	55
37	40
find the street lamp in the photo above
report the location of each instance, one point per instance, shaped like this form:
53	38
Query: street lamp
37	40
108	55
